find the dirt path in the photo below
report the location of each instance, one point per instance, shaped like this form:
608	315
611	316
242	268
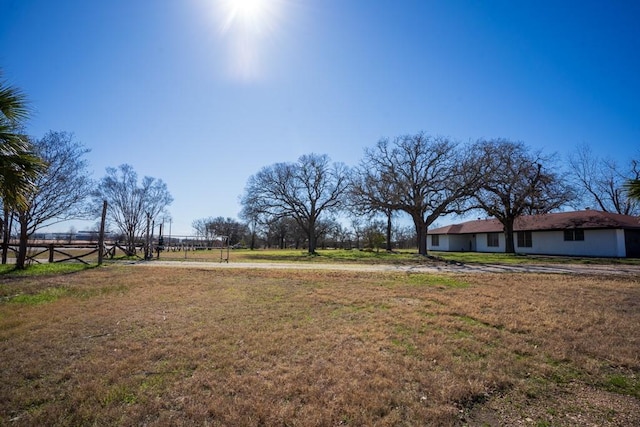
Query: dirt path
418	268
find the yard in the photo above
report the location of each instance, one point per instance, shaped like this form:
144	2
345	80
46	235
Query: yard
119	345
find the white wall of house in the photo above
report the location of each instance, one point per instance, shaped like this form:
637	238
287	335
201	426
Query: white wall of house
622	247
466	242
606	243
450	243
443	244
482	243
597	243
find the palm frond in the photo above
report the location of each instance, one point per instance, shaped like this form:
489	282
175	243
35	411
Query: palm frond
19	164
633	188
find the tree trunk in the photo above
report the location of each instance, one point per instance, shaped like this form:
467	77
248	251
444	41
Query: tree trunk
310	228
311	237
312	243
421	232
22	247
131	242
508	236
6	234
389	247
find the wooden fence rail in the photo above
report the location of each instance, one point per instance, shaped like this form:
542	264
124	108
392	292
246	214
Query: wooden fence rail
84	253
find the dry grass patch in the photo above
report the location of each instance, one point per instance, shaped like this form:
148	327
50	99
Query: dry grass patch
127	346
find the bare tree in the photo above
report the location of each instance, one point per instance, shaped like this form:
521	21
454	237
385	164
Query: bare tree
282	232
602	181
200	227
252	218
340	236
60	191
326	229
358	230
421	175
304	191
374	237
406	236
71	234
366	198
516	182
219	226
131	204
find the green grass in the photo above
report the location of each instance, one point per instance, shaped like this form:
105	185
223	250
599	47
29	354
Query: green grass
322	255
53	293
43	269
402	257
503	258
44	296
624	384
436	281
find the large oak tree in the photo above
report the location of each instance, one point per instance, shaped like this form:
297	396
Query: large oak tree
421	175
516	181
306	191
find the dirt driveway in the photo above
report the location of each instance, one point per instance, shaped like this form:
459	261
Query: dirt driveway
434	267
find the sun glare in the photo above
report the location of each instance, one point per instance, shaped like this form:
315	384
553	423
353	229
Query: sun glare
247	15
247	26
250	9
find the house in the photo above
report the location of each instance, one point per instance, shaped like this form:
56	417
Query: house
581	233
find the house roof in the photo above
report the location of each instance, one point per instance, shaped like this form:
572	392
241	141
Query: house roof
553	221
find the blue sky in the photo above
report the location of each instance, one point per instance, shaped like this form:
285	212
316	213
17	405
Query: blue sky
185	92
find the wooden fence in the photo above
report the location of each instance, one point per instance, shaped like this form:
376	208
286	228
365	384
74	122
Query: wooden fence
87	253
40	253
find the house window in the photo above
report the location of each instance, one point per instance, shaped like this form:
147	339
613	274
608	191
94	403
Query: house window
524	239
575	234
435	240
493	239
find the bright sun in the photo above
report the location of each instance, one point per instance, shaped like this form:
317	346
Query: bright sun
250	15
250	9
247	26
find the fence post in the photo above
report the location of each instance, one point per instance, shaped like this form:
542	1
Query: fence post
101	235
147	248
50	252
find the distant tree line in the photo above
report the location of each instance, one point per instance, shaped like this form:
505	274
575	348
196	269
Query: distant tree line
425	177
313	202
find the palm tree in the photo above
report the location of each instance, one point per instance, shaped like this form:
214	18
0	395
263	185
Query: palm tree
633	188
19	165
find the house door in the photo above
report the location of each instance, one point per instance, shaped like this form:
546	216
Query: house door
472	243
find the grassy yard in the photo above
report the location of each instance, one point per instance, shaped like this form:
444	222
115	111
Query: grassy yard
121	345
